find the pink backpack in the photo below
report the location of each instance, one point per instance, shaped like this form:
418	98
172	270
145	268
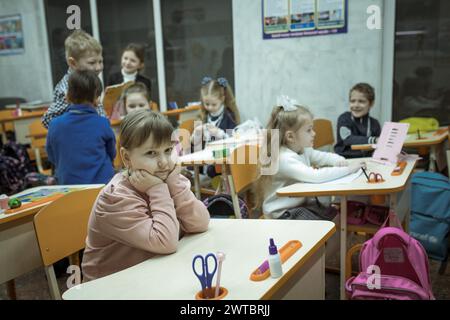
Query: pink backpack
403	267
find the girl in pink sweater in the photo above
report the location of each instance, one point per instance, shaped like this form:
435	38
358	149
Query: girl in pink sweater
143	211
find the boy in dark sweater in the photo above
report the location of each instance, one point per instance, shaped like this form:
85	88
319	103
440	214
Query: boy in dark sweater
356	126
81	143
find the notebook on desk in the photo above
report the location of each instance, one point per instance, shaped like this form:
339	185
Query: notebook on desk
112	94
390	143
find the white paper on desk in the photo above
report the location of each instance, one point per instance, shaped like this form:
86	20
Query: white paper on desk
197	156
236	140
345	180
390	143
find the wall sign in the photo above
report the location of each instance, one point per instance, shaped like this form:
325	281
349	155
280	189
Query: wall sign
299	18
11	35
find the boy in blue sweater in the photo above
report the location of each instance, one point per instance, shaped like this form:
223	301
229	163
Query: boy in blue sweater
81	143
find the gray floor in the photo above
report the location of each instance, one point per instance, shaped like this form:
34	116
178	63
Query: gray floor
33	286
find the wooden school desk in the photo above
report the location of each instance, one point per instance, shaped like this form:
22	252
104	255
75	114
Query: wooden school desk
433	139
183	114
19	251
396	187
21	123
206	157
245	244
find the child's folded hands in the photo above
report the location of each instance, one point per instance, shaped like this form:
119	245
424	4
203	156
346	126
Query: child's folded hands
142	180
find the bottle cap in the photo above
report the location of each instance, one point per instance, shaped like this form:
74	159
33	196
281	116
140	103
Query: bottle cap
272	247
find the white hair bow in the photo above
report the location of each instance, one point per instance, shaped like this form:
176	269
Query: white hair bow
287	103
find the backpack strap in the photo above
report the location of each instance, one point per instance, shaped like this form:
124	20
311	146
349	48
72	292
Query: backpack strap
392	217
391	231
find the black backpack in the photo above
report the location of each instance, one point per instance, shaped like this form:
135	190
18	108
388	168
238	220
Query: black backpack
15	164
221	206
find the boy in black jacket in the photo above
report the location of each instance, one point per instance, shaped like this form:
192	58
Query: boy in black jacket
356	126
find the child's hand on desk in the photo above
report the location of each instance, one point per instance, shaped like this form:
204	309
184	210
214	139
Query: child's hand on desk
356	165
342	163
142	180
215	131
212	129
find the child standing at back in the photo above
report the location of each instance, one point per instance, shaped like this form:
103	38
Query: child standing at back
144	209
357	126
297	160
83	52
132	62
80	143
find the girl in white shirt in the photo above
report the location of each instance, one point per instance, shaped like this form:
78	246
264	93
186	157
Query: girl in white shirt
297	160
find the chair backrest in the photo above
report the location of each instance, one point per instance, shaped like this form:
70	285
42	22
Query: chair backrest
244	167
187	125
38	137
154	106
324	133
185	140
117	163
61	227
38	134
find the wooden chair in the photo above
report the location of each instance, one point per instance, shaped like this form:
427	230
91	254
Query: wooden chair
117	163
61	229
244	170
38	136
154	106
185	140
348	259
324	134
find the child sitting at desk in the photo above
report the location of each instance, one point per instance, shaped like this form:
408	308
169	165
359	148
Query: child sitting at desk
356	126
219	113
135	97
81	143
143	210
295	158
83	52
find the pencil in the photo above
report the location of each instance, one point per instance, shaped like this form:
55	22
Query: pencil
365	173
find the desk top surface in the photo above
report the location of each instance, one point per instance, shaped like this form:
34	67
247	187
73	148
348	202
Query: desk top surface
426	139
206	156
9	115
359	186
116	122
245	243
4	218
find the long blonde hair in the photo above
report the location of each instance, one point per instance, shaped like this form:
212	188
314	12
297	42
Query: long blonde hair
283	121
221	89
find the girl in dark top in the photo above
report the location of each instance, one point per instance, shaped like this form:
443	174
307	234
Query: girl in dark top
219	113
132	63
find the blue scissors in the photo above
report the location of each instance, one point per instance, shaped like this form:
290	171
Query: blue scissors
205	276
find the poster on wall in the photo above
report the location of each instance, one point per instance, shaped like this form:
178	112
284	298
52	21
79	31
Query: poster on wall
300	18
11	35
